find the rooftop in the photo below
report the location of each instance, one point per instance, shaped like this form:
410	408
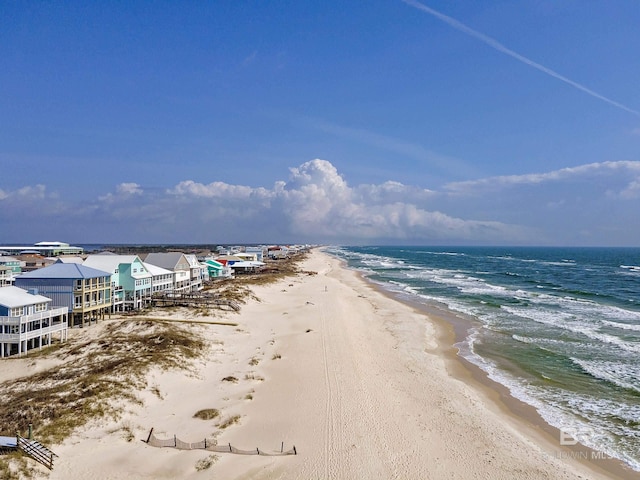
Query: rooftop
14	297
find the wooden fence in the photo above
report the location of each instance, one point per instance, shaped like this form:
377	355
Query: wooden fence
212	446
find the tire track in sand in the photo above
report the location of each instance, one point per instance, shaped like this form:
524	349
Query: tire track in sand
333	412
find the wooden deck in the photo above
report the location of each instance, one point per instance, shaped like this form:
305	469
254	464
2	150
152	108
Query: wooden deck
192	299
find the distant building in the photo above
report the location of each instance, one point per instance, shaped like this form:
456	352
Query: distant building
6	276
27	321
33	261
259	252
217	269
9	268
11	262
47	249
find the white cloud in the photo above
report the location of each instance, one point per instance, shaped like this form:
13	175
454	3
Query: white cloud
316	204
129	189
24	194
474	187
214	189
632	191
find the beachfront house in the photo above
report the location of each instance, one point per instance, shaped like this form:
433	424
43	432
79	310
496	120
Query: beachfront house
9	268
30	261
247	256
162	280
278	252
175	262
85	291
28	321
6	276
12	262
258	252
197	272
217	269
130	280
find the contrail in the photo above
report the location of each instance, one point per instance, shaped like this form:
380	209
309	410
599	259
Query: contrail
501	48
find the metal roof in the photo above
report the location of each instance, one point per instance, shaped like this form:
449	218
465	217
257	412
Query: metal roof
14	297
156	270
167	260
109	263
65	270
192	259
70	259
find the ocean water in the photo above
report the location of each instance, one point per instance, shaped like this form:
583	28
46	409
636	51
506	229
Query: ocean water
560	327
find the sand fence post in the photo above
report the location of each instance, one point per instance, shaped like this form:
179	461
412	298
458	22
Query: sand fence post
281	447
294	450
149	436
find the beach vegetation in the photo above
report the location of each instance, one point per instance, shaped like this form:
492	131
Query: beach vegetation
253	376
231	379
205	463
226	423
14	466
276	356
127	432
156	391
98	376
207	414
254	361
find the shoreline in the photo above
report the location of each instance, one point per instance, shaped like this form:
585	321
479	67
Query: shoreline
363	384
453	329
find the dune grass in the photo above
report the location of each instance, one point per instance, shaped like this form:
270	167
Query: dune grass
96	377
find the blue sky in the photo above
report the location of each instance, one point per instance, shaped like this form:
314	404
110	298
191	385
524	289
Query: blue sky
405	122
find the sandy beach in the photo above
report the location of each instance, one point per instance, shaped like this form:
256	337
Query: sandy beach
362	385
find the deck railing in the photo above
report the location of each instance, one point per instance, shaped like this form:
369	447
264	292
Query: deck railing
36	450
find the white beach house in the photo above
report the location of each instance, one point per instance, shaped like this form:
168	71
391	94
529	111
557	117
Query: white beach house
27	321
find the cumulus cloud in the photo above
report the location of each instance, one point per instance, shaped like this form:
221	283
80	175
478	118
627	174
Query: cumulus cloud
317	204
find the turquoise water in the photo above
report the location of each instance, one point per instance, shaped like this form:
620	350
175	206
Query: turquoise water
560	327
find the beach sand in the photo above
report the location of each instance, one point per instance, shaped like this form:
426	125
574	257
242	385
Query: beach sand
364	386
